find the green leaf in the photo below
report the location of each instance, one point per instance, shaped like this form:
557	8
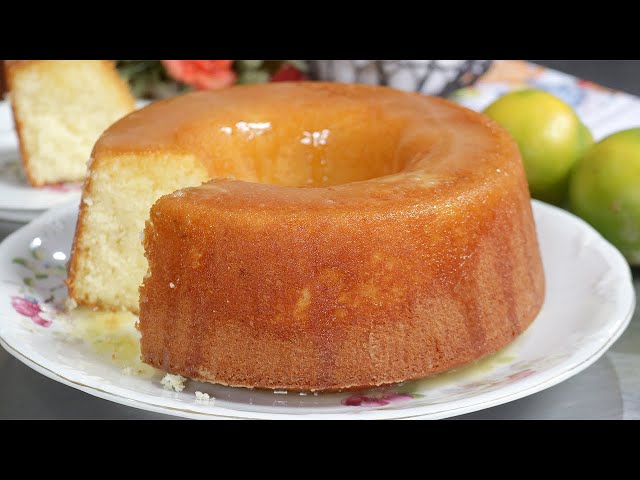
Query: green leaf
249	64
143	75
28	281
20	261
253	76
41	276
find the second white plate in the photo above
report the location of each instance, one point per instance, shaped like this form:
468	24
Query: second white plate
19	201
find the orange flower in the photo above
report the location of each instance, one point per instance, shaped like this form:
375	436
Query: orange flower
202	74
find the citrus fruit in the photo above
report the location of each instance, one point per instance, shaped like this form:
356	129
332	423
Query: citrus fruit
549	134
605	190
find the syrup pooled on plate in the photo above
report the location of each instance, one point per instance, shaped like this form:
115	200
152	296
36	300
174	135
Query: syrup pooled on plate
111	335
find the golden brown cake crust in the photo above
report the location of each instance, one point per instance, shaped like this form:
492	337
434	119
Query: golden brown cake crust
349	285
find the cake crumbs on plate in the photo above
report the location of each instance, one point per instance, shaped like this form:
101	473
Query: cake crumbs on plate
133	371
70	304
204	398
173	382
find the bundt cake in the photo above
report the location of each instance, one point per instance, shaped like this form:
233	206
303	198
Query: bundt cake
60	108
412	249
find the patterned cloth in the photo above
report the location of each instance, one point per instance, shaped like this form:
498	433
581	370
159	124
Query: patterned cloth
603	110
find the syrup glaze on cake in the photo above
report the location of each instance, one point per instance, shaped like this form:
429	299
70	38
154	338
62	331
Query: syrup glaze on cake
413	250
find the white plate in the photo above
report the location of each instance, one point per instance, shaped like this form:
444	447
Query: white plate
590	300
18	216
19	201
6	119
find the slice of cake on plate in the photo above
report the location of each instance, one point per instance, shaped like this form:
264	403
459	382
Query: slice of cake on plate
60	109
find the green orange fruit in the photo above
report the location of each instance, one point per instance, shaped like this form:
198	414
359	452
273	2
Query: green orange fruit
550	136
605	190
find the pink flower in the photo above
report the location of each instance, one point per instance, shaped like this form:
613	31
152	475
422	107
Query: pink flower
202	74
386	399
64	187
364	401
288	73
523	374
28	306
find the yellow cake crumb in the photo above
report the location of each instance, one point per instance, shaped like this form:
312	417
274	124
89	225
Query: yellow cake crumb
204	398
173	382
